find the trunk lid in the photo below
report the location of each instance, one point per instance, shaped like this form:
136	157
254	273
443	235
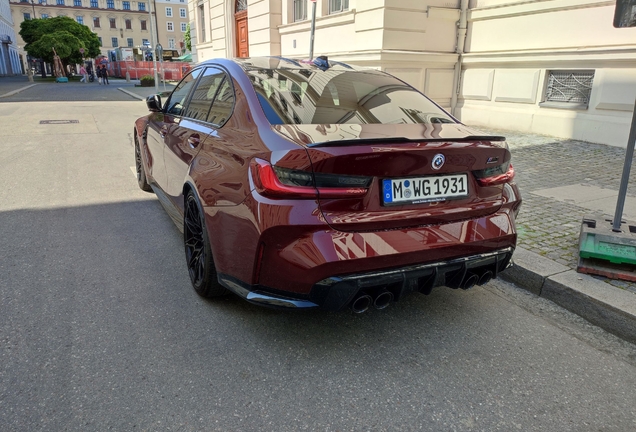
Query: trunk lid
400	157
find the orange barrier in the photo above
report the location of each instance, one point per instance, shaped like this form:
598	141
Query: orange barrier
173	71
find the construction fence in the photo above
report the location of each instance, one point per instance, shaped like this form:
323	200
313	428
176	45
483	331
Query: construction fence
172	71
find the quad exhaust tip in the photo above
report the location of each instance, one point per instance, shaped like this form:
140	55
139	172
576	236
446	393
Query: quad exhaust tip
361	304
383	300
473	279
485	278
470	281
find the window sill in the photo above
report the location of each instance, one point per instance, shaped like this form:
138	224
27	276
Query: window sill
340	18
564	105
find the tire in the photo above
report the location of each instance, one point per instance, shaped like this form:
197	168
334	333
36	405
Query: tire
142	181
199	259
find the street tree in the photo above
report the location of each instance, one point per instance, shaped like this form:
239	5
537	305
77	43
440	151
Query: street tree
64	34
65	45
188	38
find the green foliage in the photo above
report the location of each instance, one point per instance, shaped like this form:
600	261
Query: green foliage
65	34
63	42
147	81
187	38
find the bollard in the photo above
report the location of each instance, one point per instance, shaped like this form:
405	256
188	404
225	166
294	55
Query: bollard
127	76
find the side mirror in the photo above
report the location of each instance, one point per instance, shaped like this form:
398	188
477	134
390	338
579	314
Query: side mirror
153	102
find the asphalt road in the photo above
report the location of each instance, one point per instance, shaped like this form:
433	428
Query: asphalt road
100	329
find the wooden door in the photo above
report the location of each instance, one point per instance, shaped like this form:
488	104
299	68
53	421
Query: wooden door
242	44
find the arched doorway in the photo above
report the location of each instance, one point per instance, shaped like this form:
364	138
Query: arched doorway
240	18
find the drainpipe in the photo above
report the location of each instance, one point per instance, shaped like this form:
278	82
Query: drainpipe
459	49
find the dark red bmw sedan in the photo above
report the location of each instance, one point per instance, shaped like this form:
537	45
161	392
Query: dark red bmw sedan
325	185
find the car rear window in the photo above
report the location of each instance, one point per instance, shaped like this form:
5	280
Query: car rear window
308	96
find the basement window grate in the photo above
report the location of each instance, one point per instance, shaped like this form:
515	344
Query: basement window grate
569	86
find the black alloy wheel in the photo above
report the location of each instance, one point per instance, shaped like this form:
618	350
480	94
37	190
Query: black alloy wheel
198	252
142	181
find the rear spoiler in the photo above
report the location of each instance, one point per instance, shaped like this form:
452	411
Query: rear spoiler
397	140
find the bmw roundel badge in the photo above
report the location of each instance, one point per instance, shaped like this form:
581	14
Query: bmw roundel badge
438	161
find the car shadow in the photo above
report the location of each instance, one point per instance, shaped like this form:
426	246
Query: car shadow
120	266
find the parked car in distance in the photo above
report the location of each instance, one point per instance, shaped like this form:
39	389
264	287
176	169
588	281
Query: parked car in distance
326	185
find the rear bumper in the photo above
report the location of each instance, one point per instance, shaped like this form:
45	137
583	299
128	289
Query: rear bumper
289	257
295	259
336	293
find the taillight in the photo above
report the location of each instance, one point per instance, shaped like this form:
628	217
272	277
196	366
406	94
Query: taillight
276	182
496	175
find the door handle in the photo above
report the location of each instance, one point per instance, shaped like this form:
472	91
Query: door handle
194	140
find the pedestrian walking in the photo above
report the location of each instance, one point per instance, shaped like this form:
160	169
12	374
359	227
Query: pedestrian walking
89	71
98	72
84	75
105	75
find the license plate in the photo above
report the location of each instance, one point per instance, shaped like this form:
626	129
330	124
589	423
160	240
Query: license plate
424	189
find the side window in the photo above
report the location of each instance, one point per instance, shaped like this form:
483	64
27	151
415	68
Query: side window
177	99
204	93
223	103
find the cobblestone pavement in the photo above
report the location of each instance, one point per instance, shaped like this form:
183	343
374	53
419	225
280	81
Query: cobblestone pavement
548	226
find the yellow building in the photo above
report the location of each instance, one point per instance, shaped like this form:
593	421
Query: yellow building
117	23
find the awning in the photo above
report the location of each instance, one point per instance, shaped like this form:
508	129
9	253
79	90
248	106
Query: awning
184	58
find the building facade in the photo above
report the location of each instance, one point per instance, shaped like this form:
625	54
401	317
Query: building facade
412	39
9	53
172	20
117	23
555	67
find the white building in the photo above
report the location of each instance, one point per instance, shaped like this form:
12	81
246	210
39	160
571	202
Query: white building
9	57
555	67
412	40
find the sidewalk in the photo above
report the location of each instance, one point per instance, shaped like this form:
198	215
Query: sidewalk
561	181
19	89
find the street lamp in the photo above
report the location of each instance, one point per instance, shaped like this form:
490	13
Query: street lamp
154	41
42	2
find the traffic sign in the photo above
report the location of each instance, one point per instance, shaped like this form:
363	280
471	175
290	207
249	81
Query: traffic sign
625	13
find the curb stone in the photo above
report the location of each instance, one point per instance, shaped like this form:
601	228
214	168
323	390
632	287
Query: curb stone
604	305
136	96
11	93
